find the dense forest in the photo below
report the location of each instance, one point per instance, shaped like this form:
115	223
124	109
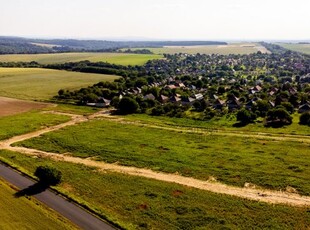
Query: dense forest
15	45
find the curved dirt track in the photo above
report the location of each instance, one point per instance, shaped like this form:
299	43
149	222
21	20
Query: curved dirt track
275	197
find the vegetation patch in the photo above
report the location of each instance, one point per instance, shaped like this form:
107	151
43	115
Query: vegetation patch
138	203
27	212
27	122
114	58
190	154
43	84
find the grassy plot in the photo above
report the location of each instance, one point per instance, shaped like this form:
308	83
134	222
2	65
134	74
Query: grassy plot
73	109
138	203
114	58
27	213
233	160
303	48
43	84
225	123
27	122
233	48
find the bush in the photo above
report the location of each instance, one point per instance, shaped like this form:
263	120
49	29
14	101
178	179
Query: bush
128	105
304	118
48	175
245	116
278	117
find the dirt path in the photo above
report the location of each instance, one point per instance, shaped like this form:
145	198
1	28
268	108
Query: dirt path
275	197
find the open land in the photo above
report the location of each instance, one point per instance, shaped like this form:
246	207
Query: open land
138	203
27	212
43	84
114	58
233	48
11	106
179	205
303	48
231	159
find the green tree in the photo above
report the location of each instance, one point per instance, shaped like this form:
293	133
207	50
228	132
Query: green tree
304	118
128	105
48	175
278	117
245	116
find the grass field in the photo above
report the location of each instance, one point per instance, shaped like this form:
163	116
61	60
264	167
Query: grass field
232	160
27	213
303	48
233	48
27	122
43	84
115	58
225	123
138	203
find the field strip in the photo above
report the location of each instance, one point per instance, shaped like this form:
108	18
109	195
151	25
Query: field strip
269	196
217	132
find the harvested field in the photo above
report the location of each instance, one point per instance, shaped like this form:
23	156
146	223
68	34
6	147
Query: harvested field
11	106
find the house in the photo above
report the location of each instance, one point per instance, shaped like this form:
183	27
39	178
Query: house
272	104
163	99
188	101
218	104
198	96
170	87
100	103
175	99
149	96
233	104
250	104
304	108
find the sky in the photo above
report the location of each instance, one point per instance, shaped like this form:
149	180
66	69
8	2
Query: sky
157	19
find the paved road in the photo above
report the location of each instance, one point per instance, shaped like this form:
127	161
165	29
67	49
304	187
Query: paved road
72	212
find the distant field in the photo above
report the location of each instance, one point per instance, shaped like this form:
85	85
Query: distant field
27	213
11	106
303	48
27	122
233	48
42	84
139	203
115	58
230	159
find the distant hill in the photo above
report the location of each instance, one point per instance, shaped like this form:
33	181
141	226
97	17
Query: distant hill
16	45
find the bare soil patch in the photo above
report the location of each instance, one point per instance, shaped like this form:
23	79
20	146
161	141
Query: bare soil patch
10	106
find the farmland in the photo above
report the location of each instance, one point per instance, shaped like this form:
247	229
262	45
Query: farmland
27	122
233	160
232	48
303	48
27	212
138	203
114	58
43	84
11	106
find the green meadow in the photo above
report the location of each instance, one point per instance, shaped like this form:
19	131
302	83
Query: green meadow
139	203
27	122
232	48
43	84
114	58
232	160
225	123
27	212
303	48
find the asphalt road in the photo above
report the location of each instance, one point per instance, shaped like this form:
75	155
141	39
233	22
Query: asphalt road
74	213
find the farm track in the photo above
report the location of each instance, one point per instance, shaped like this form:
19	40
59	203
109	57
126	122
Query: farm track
269	196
